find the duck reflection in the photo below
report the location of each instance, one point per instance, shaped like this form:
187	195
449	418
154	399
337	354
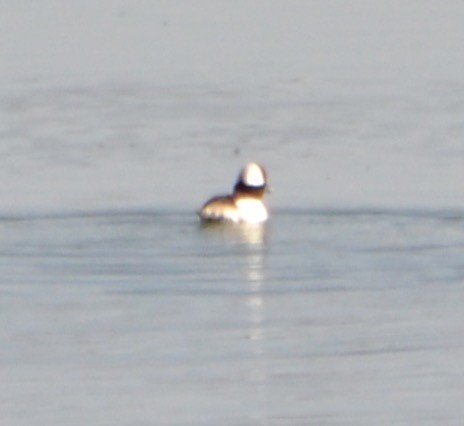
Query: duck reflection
251	241
255	236
249	237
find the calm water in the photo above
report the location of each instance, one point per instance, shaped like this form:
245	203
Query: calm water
119	119
320	317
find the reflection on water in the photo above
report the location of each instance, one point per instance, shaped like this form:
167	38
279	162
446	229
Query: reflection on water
254	237
256	316
249	242
250	234
251	238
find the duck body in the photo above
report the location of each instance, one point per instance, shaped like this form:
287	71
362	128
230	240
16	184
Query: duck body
245	204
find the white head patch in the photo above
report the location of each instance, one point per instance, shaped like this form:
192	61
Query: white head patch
253	175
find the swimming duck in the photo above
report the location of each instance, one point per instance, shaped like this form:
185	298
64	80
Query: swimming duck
245	204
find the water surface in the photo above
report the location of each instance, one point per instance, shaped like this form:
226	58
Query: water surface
320	317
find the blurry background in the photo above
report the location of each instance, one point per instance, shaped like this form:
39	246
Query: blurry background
158	103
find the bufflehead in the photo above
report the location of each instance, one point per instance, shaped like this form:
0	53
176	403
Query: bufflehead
245	204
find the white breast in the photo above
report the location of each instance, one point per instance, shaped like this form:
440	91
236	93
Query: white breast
251	210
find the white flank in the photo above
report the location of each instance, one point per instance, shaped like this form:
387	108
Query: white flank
251	210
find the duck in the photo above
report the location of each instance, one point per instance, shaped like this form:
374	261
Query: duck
245	204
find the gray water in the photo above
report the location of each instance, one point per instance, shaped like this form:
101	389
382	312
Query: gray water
118	120
320	317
